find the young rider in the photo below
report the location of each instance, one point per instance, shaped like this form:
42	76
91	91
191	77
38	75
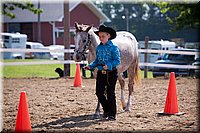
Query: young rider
107	60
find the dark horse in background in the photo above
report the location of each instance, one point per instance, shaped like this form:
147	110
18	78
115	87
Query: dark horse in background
86	40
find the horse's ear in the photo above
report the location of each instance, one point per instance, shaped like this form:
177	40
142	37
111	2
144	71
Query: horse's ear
76	26
88	28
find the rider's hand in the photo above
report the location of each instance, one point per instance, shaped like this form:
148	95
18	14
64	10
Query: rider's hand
105	67
86	67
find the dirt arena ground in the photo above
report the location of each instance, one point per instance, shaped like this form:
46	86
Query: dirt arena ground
54	105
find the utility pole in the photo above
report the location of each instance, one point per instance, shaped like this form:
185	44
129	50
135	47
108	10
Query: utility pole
127	19
39	24
66	36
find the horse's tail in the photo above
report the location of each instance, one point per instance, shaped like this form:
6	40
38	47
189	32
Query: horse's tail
137	78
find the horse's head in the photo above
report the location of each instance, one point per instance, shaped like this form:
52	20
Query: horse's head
82	41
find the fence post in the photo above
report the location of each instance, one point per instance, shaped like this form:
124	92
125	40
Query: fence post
145	56
66	36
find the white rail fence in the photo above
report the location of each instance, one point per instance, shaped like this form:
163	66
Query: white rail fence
85	62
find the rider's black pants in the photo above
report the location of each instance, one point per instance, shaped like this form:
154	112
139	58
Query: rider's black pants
105	84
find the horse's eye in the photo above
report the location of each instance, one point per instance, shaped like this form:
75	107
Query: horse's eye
84	41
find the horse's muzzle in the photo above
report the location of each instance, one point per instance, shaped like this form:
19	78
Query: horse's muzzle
78	56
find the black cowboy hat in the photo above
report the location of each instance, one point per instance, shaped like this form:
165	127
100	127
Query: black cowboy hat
111	31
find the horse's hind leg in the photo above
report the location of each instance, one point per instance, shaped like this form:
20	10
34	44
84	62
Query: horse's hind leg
130	88
122	84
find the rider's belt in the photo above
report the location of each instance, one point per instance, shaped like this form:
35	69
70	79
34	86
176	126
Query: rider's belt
107	71
102	71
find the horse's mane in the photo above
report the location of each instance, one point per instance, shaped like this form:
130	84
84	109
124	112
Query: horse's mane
83	27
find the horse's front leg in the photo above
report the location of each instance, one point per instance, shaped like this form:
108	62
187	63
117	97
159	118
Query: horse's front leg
97	111
122	85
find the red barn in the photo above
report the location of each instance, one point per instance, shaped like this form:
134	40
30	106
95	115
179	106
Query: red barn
51	20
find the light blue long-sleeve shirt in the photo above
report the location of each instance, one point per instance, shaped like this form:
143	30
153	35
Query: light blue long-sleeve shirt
106	54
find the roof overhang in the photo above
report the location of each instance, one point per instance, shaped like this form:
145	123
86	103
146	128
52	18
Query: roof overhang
52	11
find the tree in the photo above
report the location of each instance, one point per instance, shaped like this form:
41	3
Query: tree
144	19
9	6
181	15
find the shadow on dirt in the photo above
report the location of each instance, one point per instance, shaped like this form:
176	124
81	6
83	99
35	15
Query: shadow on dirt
71	122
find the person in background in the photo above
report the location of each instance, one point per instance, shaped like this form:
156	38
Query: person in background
82	67
83	70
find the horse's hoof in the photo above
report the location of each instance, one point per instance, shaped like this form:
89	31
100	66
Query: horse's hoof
123	104
96	116
124	108
127	110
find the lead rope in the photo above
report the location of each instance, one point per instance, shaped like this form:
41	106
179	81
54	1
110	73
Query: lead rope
107	77
84	64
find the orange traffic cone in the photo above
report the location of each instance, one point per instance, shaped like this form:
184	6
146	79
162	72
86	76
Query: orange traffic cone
23	123
77	78
171	104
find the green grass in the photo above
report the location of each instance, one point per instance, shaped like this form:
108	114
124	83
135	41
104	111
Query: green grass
34	70
30	71
40	70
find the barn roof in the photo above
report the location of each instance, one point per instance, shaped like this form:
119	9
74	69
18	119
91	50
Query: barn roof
52	11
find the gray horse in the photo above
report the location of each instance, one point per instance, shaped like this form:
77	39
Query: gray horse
86	40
